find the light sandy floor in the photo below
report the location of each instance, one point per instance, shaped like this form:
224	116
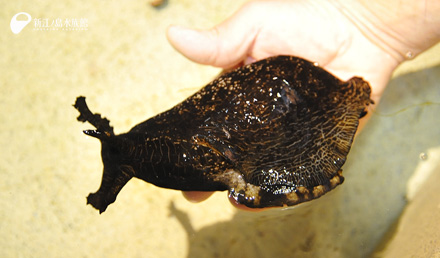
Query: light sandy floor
129	72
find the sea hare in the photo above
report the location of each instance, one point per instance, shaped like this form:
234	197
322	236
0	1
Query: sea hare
272	133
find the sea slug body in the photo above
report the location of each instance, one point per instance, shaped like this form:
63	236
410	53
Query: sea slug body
273	133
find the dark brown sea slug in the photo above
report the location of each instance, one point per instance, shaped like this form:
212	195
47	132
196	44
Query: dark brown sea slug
272	133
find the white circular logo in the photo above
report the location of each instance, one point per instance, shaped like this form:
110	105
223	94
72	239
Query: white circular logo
17	26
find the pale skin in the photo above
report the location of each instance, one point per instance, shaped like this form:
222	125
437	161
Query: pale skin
346	37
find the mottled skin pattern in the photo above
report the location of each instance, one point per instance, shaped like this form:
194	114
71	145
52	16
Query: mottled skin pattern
273	133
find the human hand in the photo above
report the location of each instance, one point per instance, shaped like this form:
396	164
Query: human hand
321	32
316	31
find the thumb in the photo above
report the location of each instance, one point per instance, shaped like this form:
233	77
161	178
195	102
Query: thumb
225	45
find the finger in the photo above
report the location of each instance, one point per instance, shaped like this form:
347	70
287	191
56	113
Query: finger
244	207
196	196
225	45
199	196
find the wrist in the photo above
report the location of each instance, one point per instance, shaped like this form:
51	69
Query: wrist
402	30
